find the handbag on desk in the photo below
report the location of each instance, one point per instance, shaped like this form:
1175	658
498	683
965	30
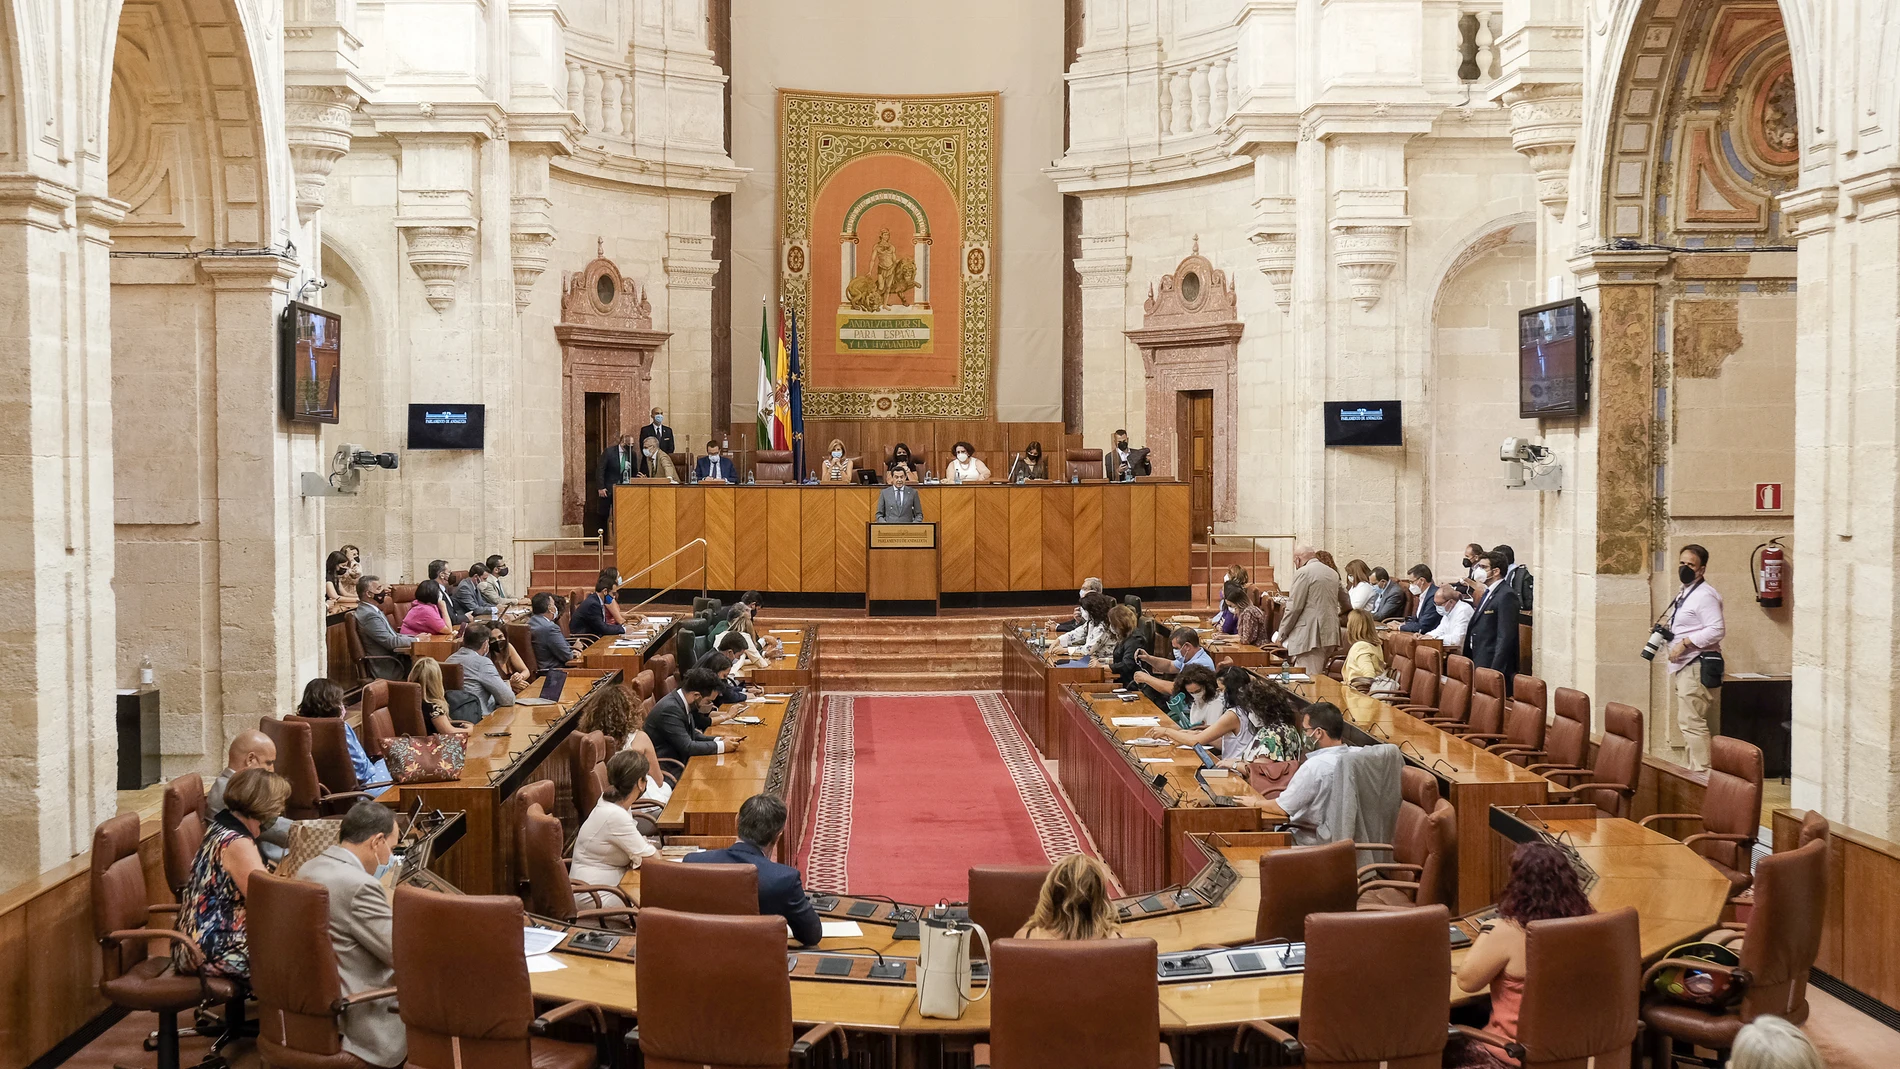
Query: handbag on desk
430	759
943	966
308	838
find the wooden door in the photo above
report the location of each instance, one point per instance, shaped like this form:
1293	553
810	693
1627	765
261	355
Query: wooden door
603	430
1196	451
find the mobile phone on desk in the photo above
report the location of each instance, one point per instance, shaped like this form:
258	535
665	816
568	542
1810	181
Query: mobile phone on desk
496	734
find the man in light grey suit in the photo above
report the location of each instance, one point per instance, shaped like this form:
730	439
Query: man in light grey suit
898	504
380	639
1310	628
483	688
360	928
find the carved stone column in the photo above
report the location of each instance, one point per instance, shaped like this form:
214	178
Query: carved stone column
1275	230
607	344
531	230
317	125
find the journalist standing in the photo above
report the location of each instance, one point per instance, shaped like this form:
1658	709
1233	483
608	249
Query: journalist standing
1695	654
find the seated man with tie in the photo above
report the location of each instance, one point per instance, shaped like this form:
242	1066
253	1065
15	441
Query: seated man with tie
761	821
898	503
714	465
1124	465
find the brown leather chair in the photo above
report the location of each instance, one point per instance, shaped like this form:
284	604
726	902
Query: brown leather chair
1731	810
452	677
725	890
1813	826
1783	937
182	820
1580	994
1460	668
133	977
1398	961
1082	463
683	956
1301	880
773	466
330	750
1610	782
309	799
1424	849
1421	697
643	684
377	726
1047	998
365	662
1524	724
540	792
464	983
521	637
1487	708
551	890
584	752
403	703
1003	898
1454	705
294	974
1568	737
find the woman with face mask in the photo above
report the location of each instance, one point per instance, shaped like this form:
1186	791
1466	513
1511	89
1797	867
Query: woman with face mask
836	468
1029	464
900	468
964	467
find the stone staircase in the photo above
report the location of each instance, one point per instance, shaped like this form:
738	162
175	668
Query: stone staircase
910	655
1259	565
567	569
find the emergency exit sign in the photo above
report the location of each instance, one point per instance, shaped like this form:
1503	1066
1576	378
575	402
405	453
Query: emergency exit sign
1767	497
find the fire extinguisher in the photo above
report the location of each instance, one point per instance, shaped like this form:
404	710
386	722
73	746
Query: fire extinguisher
1769	572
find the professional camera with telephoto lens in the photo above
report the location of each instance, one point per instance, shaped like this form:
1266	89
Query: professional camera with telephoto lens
1659	637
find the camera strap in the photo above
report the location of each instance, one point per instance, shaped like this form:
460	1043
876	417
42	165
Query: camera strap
1676	605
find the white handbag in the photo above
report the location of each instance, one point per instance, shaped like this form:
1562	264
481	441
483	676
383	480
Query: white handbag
943	967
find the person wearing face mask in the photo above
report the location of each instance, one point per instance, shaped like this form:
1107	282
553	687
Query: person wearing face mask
715	464
655	461
1069	629
490	586
616	466
1695	616
352	871
383	648
1309	629
1470	564
1492	641
964	467
1029	464
1388	600
1454	618
1425	617
659	431
901	468
1308	797
1123	464
836	467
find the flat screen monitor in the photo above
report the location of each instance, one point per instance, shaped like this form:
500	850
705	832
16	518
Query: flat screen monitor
1364	423
446	426
1553	360
310	351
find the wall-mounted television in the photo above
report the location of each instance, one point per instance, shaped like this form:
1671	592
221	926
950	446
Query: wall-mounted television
1364	423
446	426
1553	360
310	355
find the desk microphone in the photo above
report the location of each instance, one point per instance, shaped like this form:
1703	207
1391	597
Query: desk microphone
1436	761
1403	743
1373	725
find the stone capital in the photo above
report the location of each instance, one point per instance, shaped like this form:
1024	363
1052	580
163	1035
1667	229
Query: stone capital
317	125
35	201
440	253
1619	267
249	271
1545	121
1810	211
1874	194
1367	255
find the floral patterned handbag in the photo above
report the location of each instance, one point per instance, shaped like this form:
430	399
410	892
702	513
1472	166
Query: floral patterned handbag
426	759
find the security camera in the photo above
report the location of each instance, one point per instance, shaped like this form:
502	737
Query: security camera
1546	472
363	458
346	471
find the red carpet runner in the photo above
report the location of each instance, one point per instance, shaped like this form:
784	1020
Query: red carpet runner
915	789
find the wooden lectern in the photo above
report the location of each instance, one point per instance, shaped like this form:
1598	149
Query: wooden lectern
900	569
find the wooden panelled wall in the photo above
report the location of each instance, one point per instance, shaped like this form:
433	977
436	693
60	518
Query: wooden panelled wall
1860	929
996	443
990	538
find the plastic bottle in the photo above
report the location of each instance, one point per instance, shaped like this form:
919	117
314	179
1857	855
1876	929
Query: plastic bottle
148	676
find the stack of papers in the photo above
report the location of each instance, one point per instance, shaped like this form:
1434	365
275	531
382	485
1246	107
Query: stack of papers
1145	741
1137	721
540	940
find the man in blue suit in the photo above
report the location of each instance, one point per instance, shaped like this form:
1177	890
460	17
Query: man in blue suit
716	465
761	821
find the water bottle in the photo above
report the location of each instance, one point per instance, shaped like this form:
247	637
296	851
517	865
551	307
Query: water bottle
1075	478
148	676
692	476
812	476
748	478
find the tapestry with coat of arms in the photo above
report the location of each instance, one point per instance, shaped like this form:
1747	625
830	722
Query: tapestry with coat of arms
887	230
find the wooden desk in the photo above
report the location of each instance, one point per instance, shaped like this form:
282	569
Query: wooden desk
991	537
797	663
780	756
900	569
1031	680
654	639
484	862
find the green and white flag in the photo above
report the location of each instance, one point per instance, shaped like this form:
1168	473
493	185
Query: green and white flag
767	387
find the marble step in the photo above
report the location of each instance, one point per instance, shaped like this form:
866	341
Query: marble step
931	662
910	682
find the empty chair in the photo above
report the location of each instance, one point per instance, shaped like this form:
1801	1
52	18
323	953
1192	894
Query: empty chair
1454	705
463	974
182	822
1047	999
643	683
1422	693
1424	866
1782	938
1731	810
1460	668
406	715
1397	961
584	752
296	978
729	890
1524	727
1581	976
681	1027
1486	723
133	977
540	792
1568	736
1610	782
1301	880
773	466
551	890
1813	826
309	799
1082	464
1003	898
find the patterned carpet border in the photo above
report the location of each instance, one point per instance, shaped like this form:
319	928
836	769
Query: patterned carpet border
1053	819
830	844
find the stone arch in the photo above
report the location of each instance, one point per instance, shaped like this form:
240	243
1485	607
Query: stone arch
378	519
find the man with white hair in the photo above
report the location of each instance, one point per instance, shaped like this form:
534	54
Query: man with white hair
1073	630
1310	628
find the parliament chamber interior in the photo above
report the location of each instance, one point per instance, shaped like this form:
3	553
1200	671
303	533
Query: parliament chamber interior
1383	562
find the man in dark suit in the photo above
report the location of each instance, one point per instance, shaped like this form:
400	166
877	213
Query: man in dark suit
781	891
590	616
381	642
1426	616
1492	641
1388	603
552	650
1123	464
466	598
715	465
898	503
616	467
671	723
659	429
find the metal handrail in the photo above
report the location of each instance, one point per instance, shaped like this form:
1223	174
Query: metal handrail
598	539
700	542
1253	552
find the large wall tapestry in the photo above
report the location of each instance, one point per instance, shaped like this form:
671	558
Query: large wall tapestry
887	223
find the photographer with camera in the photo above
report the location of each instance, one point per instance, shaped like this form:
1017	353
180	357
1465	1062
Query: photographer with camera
1692	630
